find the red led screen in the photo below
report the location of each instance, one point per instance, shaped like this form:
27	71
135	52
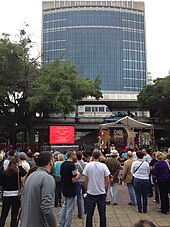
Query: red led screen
61	135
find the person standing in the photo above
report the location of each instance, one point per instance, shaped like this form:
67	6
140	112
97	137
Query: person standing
146	156
30	160
140	170
80	188
114	167
57	177
39	195
23	157
11	180
156	189
69	177
148	159
127	177
96	179
10	156
161	171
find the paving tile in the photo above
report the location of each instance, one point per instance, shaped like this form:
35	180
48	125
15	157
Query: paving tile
121	215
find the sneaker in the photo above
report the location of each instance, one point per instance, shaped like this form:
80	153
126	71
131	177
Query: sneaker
150	195
131	204
139	211
108	203
79	216
162	212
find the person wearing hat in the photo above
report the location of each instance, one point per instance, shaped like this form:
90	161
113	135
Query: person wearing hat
23	157
114	166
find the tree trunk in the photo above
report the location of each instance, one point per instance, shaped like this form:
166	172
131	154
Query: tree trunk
31	138
31	134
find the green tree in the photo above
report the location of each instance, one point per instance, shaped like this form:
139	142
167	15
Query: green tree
18	70
156	98
58	88
27	89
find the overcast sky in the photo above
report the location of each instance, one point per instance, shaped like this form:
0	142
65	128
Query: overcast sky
13	14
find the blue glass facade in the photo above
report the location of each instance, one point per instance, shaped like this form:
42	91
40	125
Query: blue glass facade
105	41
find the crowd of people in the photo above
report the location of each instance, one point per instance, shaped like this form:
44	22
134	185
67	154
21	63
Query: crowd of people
52	179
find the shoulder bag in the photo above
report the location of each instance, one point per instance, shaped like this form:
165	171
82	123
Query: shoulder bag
20	188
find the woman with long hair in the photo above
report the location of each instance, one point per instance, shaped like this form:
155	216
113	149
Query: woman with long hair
162	173
11	186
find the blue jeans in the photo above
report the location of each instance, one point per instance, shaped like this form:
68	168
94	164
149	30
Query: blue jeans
67	212
141	189
92	200
58	194
80	189
131	192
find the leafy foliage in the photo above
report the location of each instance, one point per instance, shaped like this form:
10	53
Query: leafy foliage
17	73
59	88
156	98
27	88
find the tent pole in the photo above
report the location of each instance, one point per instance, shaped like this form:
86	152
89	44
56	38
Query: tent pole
153	139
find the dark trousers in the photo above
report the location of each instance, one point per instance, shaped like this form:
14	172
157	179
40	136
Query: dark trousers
92	200
8	202
156	189
163	190
150	189
141	188
58	194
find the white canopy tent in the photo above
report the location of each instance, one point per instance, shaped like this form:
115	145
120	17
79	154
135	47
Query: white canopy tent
127	122
113	132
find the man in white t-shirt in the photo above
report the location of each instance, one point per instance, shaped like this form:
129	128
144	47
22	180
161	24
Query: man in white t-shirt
96	183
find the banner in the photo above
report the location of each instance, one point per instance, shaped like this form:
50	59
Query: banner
118	137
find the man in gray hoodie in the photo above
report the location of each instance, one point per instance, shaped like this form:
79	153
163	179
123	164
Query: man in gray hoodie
39	195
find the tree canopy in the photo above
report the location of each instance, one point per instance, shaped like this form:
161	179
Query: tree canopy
27	88
18	70
156	98
59	88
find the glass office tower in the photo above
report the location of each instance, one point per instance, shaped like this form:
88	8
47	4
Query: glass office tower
105	38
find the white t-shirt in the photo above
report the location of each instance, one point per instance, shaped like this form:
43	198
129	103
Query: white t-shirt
142	172
96	173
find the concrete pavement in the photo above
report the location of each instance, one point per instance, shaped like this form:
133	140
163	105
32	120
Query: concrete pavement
122	215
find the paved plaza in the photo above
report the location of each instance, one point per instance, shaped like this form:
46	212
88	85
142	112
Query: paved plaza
123	215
